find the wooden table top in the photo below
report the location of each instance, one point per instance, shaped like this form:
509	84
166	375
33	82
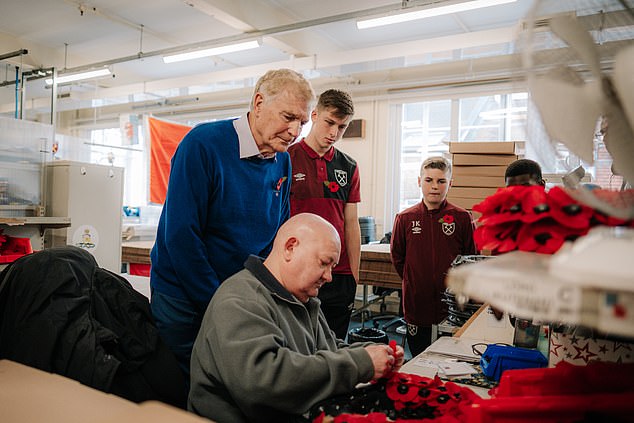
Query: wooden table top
136	251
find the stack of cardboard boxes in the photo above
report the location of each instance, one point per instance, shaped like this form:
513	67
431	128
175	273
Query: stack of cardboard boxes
478	169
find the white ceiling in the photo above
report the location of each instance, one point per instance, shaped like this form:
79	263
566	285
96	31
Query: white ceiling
319	38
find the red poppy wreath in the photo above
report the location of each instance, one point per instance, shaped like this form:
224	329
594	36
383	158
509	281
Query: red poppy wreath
529	218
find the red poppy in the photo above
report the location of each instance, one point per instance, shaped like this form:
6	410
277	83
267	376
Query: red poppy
498	239
438	398
503	206
401	392
454	390
408	390
604	219
280	182
493	203
447	219
546	236
568	211
534	204
333	187
468	397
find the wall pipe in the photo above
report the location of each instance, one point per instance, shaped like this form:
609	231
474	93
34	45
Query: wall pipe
17	91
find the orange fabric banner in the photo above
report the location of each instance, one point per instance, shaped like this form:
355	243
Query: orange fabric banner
164	138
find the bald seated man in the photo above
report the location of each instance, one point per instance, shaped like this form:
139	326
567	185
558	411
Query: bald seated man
264	352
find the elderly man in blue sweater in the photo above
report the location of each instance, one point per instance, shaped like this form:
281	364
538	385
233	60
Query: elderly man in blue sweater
228	193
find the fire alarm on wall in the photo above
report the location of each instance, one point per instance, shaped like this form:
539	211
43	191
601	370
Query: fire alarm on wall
356	129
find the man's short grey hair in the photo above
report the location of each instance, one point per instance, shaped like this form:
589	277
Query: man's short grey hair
276	81
436	162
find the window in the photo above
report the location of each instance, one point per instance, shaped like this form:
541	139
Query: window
427	127
106	149
500	117
425	131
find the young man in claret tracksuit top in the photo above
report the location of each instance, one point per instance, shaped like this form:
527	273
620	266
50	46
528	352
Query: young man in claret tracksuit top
425	240
326	182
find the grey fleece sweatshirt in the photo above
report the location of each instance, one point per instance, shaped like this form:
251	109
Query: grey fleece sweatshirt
263	356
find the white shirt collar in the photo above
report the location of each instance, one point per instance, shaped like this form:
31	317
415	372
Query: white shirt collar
248	146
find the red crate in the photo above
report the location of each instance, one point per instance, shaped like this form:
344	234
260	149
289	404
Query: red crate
567	379
598	392
611	407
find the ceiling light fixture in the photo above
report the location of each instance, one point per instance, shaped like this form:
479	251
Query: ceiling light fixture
428	13
78	76
211	51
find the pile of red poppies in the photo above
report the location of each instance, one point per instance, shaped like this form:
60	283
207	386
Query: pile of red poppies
529	218
401	398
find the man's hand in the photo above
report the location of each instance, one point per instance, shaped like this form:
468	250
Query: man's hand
385	359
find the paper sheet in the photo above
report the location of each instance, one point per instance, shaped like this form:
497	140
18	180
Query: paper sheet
449	368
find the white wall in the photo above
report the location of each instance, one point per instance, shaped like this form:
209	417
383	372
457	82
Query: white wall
372	154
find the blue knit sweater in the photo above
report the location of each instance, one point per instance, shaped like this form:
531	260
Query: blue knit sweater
218	210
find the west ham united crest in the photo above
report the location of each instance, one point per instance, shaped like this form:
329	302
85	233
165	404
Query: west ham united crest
342	177
448	228
412	329
448	224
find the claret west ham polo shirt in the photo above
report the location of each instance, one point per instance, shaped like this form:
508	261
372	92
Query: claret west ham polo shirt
323	185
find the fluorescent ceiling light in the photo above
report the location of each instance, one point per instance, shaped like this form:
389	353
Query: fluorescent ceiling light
211	51
428	13
78	76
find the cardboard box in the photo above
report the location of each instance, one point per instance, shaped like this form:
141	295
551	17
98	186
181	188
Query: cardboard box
471	192
155	412
478	171
483	159
465	203
479	181
580	350
491	147
29	395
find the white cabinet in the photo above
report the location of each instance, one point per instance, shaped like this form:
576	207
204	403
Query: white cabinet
91	195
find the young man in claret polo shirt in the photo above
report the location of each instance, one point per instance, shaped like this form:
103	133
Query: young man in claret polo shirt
326	182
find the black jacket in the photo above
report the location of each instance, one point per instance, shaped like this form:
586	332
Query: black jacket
60	312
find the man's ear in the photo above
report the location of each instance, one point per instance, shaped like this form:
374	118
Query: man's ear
258	99
289	247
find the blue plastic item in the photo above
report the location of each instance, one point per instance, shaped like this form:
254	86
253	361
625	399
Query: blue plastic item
498	358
